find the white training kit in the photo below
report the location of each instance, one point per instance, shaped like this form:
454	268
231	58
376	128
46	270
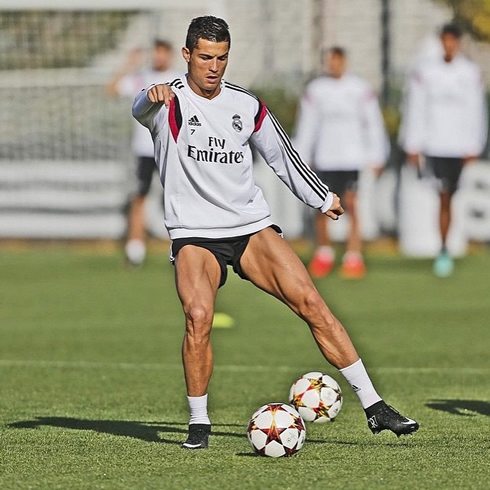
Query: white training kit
202	149
444	114
340	126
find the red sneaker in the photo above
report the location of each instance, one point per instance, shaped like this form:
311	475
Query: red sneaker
321	264
353	266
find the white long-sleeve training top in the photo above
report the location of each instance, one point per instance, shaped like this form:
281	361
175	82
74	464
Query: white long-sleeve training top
340	125
202	149
444	113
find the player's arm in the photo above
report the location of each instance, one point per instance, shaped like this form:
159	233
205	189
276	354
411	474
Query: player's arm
149	103
377	140
133	62
308	123
335	210
274	145
412	130
476	117
161	93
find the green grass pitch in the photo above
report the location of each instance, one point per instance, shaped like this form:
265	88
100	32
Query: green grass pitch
92	390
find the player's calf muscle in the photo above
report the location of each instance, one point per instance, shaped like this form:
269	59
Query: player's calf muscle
335	344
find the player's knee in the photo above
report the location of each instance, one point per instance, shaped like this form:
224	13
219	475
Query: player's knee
199	321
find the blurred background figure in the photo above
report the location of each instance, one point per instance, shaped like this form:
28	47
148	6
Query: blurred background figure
72	149
340	131
127	82
444	125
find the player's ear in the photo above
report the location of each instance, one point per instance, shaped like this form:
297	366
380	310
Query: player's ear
186	54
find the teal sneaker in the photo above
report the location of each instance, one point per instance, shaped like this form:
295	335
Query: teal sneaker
443	265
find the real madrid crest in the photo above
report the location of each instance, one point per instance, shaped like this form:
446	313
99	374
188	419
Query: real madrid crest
237	123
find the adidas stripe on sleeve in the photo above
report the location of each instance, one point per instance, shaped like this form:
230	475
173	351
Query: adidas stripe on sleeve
276	148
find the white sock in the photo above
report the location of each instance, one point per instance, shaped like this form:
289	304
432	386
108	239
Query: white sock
357	376
135	251
326	251
198	407
352	255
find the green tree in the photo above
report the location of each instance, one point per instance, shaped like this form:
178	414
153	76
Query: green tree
473	15
57	39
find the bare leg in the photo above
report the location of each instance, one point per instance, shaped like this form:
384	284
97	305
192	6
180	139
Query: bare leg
321	231
136	219
354	242
324	256
271	264
445	216
444	265
352	264
197	277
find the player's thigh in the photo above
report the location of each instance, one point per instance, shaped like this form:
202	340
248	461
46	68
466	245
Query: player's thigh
447	171
272	265
197	275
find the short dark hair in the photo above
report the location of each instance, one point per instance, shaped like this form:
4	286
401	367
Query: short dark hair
162	43
452	30
337	51
207	27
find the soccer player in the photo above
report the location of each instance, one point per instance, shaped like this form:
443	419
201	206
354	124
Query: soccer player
340	131
445	121
127	82
216	216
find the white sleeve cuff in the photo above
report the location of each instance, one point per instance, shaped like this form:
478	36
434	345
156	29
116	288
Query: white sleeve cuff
328	203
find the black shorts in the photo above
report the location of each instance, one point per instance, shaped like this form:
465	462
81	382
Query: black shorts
145	169
339	181
447	171
228	251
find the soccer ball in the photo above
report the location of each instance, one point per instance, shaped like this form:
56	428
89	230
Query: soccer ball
276	430
317	397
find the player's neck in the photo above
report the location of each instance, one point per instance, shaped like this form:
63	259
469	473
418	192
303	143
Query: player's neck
449	57
203	92
337	75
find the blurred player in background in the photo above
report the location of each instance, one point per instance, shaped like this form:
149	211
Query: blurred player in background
216	216
340	131
444	124
127	82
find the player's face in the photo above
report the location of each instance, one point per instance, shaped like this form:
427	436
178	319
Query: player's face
162	58
450	45
335	65
206	66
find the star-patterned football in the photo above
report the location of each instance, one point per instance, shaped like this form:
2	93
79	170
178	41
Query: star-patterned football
317	397
276	430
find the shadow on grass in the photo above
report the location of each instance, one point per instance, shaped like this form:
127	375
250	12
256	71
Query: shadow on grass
145	431
466	408
308	441
251	454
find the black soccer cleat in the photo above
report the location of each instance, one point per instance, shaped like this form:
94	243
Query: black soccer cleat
387	418
198	437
